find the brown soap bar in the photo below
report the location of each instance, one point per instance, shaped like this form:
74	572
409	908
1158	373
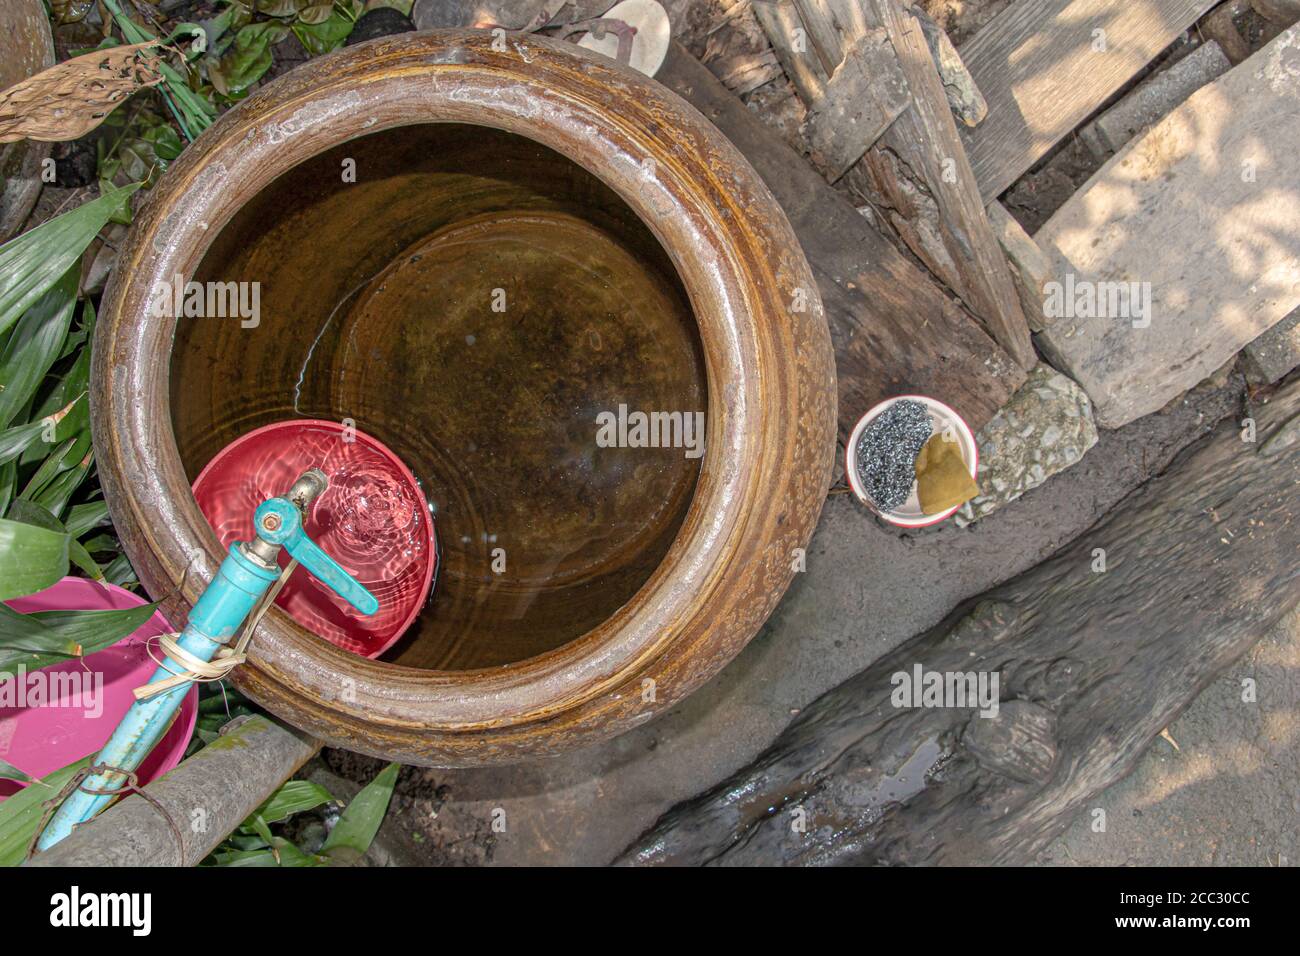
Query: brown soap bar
942	478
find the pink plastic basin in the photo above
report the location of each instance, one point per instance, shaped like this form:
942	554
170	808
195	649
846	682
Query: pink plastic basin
77	716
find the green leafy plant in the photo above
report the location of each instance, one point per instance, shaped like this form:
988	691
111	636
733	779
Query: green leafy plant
32	263
345	840
321	28
193	112
218	705
21	813
135	143
47	516
9	772
49	637
239	41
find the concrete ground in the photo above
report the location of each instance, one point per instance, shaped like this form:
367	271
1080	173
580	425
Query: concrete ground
867	589
1227	795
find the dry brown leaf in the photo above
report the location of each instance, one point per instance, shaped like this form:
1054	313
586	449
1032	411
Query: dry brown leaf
71	98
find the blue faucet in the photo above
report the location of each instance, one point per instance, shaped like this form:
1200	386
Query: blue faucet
244	577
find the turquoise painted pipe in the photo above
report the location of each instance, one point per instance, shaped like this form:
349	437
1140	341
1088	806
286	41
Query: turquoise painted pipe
245	575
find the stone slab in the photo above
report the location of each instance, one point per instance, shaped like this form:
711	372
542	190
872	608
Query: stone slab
1185	246
1045	428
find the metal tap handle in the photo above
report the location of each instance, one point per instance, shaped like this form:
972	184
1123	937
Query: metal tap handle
279	522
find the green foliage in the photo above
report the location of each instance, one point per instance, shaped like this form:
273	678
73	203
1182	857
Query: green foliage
240	39
32	263
193	112
324	27
31	559
294	796
256	844
248	58
401	6
218	705
9	772
21	813
34	345
135	143
356	829
49	637
45	445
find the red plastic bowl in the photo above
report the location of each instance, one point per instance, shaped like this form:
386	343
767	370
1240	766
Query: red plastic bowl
43	735
373	520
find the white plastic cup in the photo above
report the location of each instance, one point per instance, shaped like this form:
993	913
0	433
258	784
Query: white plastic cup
945	421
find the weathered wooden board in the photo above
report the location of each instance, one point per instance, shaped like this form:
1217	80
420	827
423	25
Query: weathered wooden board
887	87
925	141
1275	353
1283	12
866	94
893	328
1197	223
780	21
1031	270
1043	67
1200	562
964	97
826	36
1153	98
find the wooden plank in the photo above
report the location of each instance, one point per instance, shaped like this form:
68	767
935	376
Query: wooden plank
894	330
850	16
1091	668
923	176
864	97
1044	69
820	26
1153	98
925	138
1031	270
964	97
1215	177
1275	353
1219	26
780	21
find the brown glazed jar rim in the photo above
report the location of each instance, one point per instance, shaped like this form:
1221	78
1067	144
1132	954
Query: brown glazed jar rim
771	415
